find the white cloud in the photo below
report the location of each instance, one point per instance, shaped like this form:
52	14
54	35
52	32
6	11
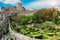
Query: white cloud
42	3
10	1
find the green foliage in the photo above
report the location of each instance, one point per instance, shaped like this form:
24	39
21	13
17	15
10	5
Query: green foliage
34	20
45	31
24	21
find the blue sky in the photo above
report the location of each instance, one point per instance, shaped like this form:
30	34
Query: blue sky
32	4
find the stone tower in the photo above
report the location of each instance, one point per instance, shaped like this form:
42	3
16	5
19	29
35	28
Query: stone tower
20	7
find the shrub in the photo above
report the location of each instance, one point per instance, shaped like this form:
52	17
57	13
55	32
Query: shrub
34	20
24	21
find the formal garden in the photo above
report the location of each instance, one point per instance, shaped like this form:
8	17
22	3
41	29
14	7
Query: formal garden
44	24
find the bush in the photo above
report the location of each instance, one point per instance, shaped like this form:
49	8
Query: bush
34	20
24	21
17	17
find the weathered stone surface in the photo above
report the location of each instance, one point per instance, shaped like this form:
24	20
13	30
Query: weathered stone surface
3	25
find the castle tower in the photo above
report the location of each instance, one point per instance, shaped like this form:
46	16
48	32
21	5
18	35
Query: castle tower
20	7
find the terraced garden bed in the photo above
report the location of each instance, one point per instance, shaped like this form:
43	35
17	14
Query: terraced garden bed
45	31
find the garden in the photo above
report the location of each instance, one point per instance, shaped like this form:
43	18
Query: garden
44	24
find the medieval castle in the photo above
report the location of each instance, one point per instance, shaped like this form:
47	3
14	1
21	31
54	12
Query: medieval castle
15	9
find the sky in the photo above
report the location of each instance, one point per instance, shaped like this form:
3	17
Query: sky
32	4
